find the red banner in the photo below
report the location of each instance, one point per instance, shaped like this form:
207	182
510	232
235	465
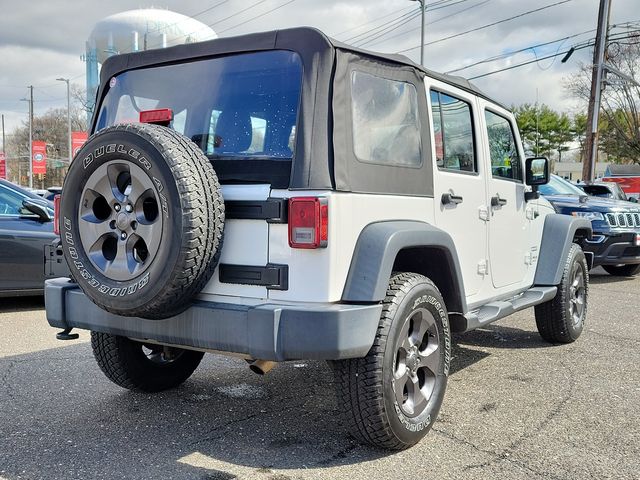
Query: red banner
39	160
3	166
77	140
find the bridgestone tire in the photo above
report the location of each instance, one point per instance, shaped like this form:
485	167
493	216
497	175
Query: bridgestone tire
126	364
142	219
561	319
622	270
366	387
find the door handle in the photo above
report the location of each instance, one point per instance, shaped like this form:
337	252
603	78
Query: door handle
448	198
497	201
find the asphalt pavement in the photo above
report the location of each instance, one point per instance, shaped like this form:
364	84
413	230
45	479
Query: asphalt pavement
515	407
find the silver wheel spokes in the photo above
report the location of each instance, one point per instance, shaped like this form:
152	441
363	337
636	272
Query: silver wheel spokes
417	362
577	295
119	220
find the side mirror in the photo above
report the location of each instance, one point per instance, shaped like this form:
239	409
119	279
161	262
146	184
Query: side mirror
37	208
537	171
633	199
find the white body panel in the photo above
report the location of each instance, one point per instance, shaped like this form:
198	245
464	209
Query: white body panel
246	242
462	221
497	247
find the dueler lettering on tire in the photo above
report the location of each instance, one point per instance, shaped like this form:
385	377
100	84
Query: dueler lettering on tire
391	397
142	220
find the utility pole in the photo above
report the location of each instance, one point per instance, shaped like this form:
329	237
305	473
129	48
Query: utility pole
595	98
68	117
3	145
423	7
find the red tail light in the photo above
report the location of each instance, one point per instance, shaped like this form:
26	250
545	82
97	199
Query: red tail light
56	214
308	222
162	116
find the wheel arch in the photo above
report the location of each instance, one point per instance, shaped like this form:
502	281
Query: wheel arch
410	246
559	232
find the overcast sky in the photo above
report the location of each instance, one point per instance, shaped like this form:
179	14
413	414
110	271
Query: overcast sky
43	40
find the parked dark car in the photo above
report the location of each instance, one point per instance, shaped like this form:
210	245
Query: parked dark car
605	190
26	227
615	244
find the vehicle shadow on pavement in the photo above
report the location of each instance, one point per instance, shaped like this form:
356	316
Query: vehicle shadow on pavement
606	278
21	304
498	336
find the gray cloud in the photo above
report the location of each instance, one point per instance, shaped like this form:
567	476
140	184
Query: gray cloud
42	40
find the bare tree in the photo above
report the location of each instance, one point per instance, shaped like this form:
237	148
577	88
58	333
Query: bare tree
620	112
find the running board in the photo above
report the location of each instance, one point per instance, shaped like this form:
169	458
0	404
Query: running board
496	310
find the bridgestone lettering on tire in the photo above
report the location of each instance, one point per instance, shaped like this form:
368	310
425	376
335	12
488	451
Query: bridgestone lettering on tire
561	319
142	220
391	398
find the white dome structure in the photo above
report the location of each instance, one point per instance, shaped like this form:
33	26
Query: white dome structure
137	30
145	29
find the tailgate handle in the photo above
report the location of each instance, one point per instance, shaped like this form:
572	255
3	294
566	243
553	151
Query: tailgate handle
273	210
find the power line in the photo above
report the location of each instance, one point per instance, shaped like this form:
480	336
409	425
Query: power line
579	46
414	14
367	23
258	16
509	54
431	23
488	25
356	37
386	29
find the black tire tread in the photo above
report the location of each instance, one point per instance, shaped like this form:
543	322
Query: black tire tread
361	405
113	355
202	216
551	316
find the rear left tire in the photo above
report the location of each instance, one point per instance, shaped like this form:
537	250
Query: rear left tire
142	367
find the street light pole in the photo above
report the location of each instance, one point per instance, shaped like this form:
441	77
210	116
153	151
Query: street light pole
422	13
66	80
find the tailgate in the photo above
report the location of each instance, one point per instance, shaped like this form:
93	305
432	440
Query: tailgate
242	270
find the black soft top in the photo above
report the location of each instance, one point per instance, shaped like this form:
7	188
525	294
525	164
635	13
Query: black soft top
323	156
288	39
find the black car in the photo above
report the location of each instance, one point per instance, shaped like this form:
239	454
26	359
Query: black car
615	244
26	227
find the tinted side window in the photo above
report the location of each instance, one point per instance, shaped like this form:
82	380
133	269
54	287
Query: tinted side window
453	133
385	121
505	159
10	202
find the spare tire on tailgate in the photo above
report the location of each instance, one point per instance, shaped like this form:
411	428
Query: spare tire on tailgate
141	220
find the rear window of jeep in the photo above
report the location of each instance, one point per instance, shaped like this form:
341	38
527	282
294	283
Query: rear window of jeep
236	107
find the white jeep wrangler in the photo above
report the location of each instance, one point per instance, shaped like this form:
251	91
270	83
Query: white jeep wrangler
282	196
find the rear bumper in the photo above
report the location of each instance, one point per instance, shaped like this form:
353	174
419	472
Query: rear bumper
267	331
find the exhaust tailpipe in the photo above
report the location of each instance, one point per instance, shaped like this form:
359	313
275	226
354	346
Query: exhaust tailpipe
262	366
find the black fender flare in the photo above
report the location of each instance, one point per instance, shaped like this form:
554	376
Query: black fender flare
557	236
375	253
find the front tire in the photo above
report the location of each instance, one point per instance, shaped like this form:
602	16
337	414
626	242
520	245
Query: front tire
622	270
391	397
140	367
561	319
